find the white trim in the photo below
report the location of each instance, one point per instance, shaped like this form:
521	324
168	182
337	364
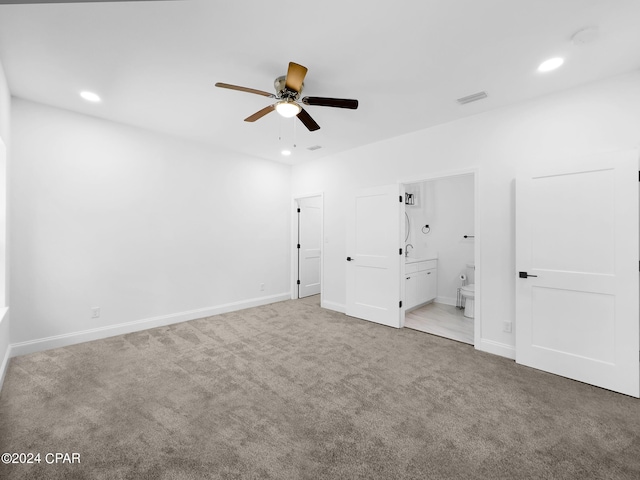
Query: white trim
477	261
7	354
436	176
5	365
336	307
4	228
446	301
64	340
497	348
403	263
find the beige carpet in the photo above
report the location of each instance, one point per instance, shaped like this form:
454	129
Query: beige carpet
291	391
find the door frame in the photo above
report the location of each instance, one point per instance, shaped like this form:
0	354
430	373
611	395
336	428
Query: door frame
477	249
294	242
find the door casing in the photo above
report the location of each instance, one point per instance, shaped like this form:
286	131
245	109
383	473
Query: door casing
477	321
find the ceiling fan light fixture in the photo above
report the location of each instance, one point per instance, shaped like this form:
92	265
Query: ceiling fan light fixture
288	109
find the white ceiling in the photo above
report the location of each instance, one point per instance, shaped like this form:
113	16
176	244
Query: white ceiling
155	63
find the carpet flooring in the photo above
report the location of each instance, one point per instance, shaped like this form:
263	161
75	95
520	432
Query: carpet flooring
292	391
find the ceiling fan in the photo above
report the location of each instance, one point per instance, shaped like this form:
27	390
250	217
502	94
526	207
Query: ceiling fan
288	90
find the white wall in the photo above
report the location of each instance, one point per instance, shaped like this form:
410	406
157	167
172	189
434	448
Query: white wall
5	107
149	228
5	329
447	206
501	144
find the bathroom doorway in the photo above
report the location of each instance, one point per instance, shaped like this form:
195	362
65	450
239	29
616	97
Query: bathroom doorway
441	274
307	247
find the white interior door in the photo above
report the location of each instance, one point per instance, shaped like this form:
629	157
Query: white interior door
309	240
373	261
577	288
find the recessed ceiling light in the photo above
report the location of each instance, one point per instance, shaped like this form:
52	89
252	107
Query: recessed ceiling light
90	96
550	64
286	153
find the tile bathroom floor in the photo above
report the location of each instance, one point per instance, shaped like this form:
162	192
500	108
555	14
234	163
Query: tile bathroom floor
442	320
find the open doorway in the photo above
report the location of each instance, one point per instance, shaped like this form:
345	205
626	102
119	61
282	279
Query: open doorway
440	276
307	247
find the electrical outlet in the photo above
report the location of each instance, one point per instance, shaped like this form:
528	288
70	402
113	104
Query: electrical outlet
95	312
262	287
506	326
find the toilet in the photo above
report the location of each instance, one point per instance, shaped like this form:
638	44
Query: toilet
468	291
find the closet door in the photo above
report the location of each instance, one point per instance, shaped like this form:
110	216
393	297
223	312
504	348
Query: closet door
577	272
309	239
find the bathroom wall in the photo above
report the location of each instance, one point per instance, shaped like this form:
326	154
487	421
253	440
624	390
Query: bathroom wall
447	206
416	216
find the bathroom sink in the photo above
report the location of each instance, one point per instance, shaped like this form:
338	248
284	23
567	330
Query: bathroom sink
411	259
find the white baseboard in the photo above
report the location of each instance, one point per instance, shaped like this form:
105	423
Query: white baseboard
4	329
497	348
446	301
65	340
4	365
337	307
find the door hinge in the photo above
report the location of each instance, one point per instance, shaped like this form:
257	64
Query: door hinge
298	210
400	251
400	303
298	245
298	282
400	198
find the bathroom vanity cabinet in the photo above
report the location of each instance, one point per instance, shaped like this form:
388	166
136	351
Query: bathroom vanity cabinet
420	282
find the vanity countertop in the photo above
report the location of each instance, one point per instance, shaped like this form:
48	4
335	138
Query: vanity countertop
419	259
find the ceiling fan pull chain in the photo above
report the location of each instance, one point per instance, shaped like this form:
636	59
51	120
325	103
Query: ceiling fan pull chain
294	134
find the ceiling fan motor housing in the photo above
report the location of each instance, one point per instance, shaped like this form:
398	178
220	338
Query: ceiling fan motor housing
283	92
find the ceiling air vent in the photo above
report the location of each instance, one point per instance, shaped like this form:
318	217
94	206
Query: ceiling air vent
472	98
314	147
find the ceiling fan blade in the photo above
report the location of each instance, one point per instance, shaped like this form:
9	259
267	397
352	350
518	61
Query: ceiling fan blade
259	114
331	102
309	122
295	77
245	89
